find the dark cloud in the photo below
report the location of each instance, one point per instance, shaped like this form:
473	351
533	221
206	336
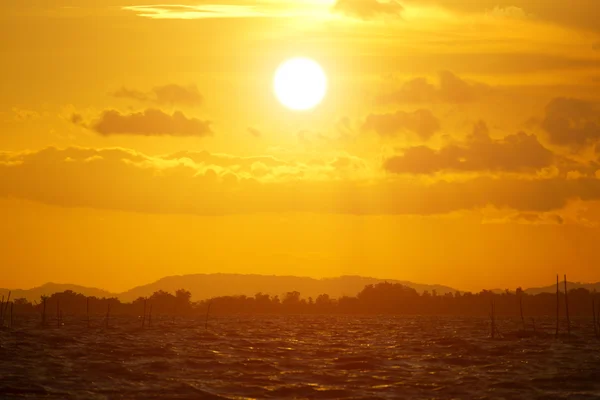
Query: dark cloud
572	123
367	9
164	95
479	152
128	180
421	122
451	89
535	218
151	122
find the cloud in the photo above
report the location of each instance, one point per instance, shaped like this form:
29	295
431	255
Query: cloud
572	122
254	132
150	122
367	9
528	218
451	89
180	11
21	114
124	179
507	12
164	95
479	152
421	122
580	14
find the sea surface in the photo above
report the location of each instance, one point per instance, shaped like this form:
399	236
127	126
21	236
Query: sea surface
297	357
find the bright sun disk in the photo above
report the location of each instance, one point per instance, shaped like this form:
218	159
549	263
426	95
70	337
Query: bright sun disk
300	83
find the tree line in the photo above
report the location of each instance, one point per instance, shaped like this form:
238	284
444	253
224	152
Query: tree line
381	298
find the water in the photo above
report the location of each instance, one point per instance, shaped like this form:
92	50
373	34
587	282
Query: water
295	357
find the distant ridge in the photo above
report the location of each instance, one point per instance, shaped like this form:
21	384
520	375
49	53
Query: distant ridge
49	288
570	285
204	286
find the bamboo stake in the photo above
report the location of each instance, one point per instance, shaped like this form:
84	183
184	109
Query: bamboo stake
57	313
107	315
144	315
5	308
598	319
44	311
567	308
207	312
521	309
11	314
6	305
150	316
594	317
557	307
87	311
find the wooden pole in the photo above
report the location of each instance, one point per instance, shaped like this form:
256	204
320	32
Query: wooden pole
521	309
87	310
557	307
107	315
144	314
598	319
567	308
5	308
2	311
57	313
12	311
44	311
594	317
207	312
150	316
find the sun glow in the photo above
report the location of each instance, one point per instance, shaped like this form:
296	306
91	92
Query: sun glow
300	84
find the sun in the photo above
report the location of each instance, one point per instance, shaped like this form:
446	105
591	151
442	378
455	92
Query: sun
300	84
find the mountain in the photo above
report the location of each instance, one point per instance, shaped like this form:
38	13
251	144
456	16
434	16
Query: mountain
35	293
570	285
203	286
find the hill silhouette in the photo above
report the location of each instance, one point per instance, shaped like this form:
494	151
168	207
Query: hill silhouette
572	285
47	289
205	286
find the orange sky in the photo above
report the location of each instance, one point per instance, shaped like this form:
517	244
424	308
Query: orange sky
459	142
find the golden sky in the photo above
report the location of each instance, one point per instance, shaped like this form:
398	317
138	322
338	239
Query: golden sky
458	143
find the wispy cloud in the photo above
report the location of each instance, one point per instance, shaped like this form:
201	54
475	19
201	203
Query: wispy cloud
256	10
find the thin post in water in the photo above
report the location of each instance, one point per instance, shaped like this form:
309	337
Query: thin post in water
57	313
144	314
594	317
44	311
5	308
520	293
567	308
107	315
207	312
87	310
557	307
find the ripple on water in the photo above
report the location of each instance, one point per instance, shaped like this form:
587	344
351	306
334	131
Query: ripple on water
318	357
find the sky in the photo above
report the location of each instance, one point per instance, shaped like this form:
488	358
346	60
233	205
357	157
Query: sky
458	142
